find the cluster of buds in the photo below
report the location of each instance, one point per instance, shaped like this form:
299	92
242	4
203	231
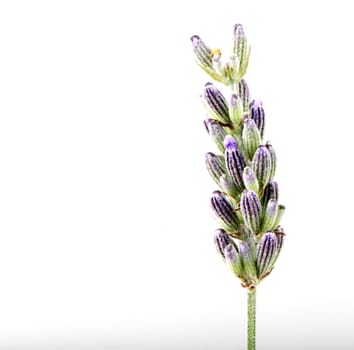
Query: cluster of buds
246	203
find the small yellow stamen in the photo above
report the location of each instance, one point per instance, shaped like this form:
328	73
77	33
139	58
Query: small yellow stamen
215	51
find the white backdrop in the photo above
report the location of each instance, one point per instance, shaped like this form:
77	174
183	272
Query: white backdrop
106	236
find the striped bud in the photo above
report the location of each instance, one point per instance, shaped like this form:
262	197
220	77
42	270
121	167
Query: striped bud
228	185
257	114
251	137
216	132
221	240
224	211
281	210
261	165
236	110
233	259
241	49
216	103
244	93
251	210
270	215
271	191
202	51
248	263
235	163
215	165
267	252
250	179
273	161
203	57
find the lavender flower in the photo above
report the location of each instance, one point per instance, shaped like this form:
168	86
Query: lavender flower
247	205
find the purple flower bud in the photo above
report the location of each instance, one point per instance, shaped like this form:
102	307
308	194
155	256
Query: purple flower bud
216	103
261	165
273	161
216	132
224	211
244	93
267	251
202	52
257	114
249	265
215	165
236	110
235	163
250	179
270	215
221	240
251	210
271	191
233	259
251	137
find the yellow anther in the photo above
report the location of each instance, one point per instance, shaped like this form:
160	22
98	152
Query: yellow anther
215	51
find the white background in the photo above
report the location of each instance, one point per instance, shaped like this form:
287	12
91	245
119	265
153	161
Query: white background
106	236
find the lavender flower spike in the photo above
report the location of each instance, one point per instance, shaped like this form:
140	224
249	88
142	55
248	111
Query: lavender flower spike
246	205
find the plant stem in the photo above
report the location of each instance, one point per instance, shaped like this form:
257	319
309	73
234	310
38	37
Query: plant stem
251	327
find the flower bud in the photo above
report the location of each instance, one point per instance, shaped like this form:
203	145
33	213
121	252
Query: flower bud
216	103
248	263
228	185
244	93
202	51
235	163
257	114
236	110
203	57
261	165
233	259
251	137
270	215
241	49
267	252
221	240
216	132
224	211
281	210
251	210
273	161
250	179
271	191
215	165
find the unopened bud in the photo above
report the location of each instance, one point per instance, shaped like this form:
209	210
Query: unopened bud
224	211
251	210
216	104
251	137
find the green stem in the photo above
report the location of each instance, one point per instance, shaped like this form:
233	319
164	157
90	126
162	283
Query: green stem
251	328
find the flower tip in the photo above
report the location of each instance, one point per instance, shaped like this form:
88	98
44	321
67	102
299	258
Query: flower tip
195	39
208	84
230	142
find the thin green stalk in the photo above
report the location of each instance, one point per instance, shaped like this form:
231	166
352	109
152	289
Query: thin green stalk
251	329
